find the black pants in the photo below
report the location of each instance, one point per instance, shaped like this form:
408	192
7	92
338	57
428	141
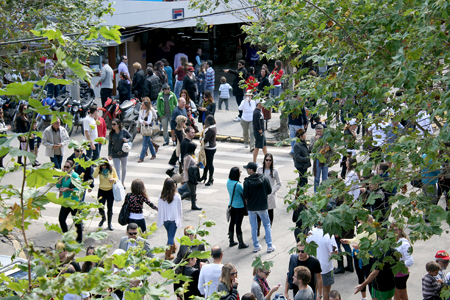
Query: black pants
239	99
362	273
108	198
174	158
104	94
140	223
237	215
270	218
302	179
209	163
344	167
63	213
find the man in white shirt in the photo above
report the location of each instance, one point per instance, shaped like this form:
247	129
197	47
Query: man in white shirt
91	133
123	66
424	121
211	273
326	247
106	81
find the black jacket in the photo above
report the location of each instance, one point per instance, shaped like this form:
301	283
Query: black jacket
258	122
236	89
194	175
138	83
301	156
263	83
256	189
152	87
123	87
80	170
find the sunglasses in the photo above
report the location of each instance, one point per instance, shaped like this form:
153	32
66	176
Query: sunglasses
268	160
233	273
113	124
266	272
67	167
132	233
300	251
76	150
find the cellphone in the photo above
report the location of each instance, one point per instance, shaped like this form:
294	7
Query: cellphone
201	165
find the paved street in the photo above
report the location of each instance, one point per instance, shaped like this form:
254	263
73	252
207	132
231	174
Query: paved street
214	200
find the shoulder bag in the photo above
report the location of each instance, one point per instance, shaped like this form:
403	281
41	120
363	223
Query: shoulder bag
228	214
147	130
124	213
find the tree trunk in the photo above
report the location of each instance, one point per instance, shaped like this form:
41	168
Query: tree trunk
283	130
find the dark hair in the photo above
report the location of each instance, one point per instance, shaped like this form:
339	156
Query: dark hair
351	163
299	132
149	71
216	253
92	109
208	97
124	75
71	163
169	190
106	163
234	174
119	124
248	296
165	62
278	65
122	57
159	64
149	65
184	63
303	273
271	164
209	62
105	61
188	129
190	149
251	70
87	266
132	226
384	167
187	98
242	62
209	120
335	294
138	188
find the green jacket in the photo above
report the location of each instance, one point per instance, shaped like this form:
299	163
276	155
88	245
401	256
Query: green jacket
67	183
160	103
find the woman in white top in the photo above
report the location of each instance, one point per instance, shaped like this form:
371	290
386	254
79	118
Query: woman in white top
169	214
275	182
247	106
352	178
404	247
3	130
146	116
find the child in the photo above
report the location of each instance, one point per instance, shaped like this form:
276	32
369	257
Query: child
224	92
431	286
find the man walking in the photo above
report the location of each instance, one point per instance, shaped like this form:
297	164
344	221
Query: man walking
152	86
55	138
210	77
210	274
320	167
240	74
256	189
258	130
165	104
91	132
106	81
301	278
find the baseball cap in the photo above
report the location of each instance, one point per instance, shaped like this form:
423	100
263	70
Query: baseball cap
318	126
191	69
442	254
251	165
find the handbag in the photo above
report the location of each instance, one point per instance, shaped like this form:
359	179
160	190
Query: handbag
228	214
202	154
271	79
118	191
146	130
124	213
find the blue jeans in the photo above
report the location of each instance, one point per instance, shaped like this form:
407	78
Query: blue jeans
93	154
147	143
276	91
57	161
264	215
171	228
165	124
183	189
324	171
178	86
292	130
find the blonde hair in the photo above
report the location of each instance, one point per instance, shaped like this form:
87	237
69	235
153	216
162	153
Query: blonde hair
226	274
137	66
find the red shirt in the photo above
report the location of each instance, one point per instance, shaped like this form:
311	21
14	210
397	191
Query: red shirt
276	80
251	83
101	129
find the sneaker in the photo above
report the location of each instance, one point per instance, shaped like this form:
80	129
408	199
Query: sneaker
271	249
246	145
174	143
257	249
166	143
237	119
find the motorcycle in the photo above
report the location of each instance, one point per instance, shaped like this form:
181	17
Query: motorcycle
78	109
132	120
57	104
113	110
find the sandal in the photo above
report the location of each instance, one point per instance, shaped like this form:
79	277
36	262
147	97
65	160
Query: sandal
153	157
140	160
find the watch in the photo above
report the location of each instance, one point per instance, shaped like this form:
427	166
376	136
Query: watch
320	296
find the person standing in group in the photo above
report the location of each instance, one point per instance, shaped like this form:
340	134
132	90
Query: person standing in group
124	87
160	72
224	92
177	111
210	77
107	177
170	214
258	130
405	248
138	81
152	85
352	179
198	58
55	138
263	82
277	74
101	131
208	107
91	132
66	188
256	189
275	182
85	173
180	72
146	116
136	200
238	91
296	120
169	71
260	287
106	82
320	168
248	106
165	104
301	278
190	84
301	158
228	282
189	176
23	126
117	137
123	67
237	208
3	130
201	81
209	137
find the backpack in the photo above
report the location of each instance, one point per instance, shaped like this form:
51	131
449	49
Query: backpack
124	213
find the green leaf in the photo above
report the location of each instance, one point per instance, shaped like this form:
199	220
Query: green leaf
53	227
111	33
120	260
34	103
82	71
97	235
16	152
92	258
41	177
18	89
40	270
200	254
66	202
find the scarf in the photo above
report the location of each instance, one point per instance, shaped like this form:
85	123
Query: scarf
105	172
263	284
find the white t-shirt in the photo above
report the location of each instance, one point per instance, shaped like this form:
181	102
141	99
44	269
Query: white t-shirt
423	119
327	245
247	108
352	180
224	90
87	122
379	133
208	273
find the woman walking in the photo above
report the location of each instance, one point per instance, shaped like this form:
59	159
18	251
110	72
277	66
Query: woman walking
107	176
248	106
66	187
275	182
169	71
208	107
146	116
117	137
201	81
23	126
237	208
169	214
228	282
277	74
136	203
190	84
209	138
301	158
181	71
188	176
